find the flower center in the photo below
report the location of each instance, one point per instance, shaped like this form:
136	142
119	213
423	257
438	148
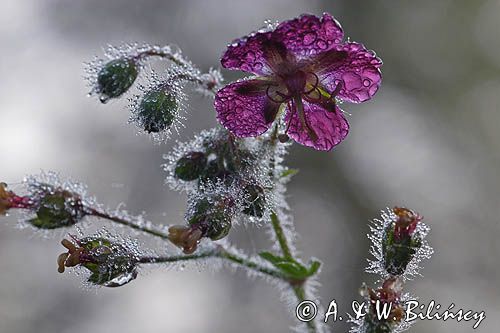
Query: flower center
295	82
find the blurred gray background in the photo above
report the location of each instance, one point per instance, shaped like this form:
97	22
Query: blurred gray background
430	140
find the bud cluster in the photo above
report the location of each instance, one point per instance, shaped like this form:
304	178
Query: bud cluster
226	179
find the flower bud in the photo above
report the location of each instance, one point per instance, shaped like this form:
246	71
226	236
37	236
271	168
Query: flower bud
5	197
58	209
115	78
388	294
214	170
213	219
110	263
157	110
400	242
185	237
191	166
256	200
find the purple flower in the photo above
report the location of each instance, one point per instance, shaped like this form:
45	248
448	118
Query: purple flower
305	65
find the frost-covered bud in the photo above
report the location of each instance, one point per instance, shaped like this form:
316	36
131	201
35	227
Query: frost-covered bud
206	218
191	166
256	200
157	110
212	218
388	295
110	263
57	209
116	77
214	171
400	241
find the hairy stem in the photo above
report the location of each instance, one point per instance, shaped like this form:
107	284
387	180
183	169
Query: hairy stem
298	289
218	252
192	73
146	227
300	293
176	58
280	236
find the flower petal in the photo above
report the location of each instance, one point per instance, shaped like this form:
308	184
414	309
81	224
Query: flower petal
357	70
309	35
244	108
247	54
330	127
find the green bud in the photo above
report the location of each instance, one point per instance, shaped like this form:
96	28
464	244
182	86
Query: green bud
216	170
239	159
157	110
110	264
214	220
116	77
191	166
57	210
398	253
256	200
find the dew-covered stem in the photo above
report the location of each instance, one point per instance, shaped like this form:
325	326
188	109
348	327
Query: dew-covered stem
168	259
280	236
174	57
250	264
300	293
218	252
129	223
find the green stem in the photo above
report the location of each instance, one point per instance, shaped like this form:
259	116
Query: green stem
182	62
280	236
128	223
298	289
159	260
300	293
165	55
250	264
220	252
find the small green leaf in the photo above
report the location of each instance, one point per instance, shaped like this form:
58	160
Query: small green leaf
289	173
314	267
273	259
293	269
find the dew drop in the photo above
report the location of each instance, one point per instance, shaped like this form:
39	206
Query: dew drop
104	99
309	38
321	44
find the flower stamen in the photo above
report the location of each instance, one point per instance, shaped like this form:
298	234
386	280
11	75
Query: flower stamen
299	106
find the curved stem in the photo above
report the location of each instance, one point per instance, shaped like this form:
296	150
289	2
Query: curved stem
160	52
192	73
221	253
147	228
